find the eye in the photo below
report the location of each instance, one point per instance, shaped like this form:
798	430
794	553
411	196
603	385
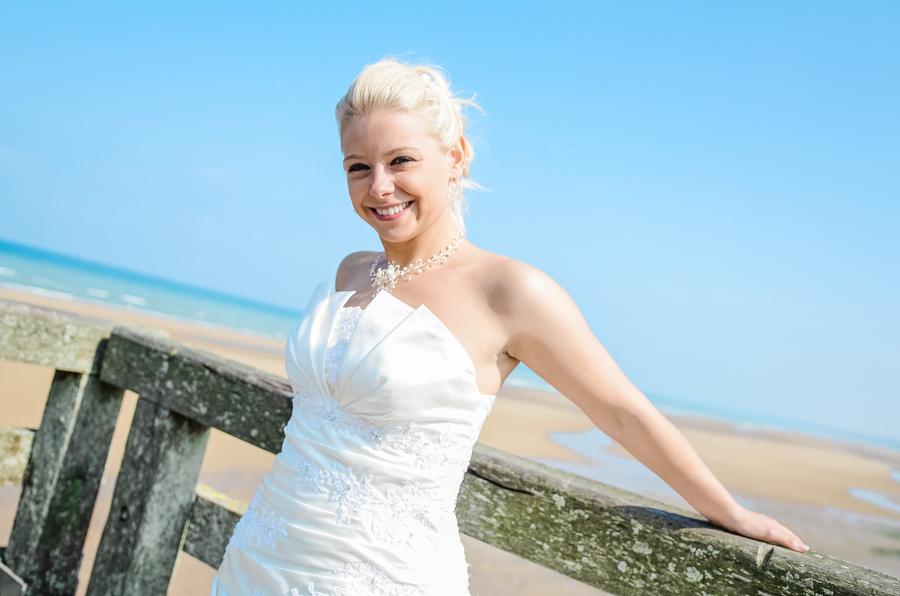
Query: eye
358	167
403	159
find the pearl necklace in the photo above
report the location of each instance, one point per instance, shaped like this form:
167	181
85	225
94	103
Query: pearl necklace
386	278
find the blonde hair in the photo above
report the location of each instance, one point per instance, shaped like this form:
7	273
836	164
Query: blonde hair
420	90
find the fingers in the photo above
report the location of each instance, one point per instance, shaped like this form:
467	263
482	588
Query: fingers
781	535
793	542
763	527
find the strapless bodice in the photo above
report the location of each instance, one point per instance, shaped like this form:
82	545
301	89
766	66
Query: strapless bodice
361	498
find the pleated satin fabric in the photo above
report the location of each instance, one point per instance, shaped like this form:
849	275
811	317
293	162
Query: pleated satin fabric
361	499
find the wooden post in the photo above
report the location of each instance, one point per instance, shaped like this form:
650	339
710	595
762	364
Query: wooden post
61	481
246	403
151	504
213	518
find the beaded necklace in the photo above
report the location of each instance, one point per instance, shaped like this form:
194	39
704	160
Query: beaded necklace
386	278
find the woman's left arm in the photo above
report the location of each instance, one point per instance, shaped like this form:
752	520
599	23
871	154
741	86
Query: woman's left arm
549	334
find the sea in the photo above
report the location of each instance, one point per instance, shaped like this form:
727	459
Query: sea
64	277
60	276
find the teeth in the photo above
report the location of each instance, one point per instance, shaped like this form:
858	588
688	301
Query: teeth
392	210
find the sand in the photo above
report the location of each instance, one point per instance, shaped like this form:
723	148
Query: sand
804	481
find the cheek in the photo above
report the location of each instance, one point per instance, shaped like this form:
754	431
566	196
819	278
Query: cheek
438	194
356	188
426	187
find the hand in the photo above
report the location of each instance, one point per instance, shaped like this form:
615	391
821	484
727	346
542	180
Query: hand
762	527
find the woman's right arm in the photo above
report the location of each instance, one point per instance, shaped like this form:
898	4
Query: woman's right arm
549	334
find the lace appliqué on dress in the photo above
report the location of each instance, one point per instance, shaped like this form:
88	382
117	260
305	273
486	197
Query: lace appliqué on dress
320	410
257	524
365	580
395	518
340	336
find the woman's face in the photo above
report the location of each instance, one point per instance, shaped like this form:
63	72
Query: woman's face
397	174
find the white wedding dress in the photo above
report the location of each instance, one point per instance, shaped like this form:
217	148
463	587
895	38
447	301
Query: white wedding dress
361	499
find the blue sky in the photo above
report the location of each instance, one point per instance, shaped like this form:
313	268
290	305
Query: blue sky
715	183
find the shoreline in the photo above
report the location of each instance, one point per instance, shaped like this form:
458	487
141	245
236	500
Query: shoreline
775	465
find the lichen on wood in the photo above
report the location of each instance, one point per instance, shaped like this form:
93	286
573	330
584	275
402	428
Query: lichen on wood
39	482
61	481
630	545
47	337
150	505
249	404
213	517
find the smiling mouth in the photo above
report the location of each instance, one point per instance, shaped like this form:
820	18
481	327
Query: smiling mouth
391	211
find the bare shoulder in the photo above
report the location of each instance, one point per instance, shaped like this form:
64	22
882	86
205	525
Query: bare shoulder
539	318
354	266
516	289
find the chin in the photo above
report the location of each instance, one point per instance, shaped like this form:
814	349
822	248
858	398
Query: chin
395	235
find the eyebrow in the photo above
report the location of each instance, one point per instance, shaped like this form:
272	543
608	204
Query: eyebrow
392	151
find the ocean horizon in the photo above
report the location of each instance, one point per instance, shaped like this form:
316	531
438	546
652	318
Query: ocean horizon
37	271
64	277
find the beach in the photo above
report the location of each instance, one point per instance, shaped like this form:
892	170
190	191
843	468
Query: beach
842	499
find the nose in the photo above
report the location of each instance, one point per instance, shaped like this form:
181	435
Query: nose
382	183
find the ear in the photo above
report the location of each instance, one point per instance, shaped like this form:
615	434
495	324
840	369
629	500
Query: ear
458	158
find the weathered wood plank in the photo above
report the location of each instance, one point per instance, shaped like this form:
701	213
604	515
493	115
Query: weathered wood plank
51	338
630	545
150	505
15	451
212	522
10	583
60	489
54	571
244	402
48	451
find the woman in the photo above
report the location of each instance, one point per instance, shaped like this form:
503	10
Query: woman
395	371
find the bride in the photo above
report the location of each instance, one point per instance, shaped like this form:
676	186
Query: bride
395	370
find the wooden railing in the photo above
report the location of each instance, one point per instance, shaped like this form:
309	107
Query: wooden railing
623	543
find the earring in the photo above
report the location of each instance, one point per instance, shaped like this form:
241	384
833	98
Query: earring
455	189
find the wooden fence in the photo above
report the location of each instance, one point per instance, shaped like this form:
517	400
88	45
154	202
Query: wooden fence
600	535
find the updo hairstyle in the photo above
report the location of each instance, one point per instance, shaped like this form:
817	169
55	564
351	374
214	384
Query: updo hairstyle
420	90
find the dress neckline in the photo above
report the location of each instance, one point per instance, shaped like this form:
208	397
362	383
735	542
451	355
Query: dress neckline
423	307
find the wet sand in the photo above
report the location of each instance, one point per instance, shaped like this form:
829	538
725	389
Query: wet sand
841	498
